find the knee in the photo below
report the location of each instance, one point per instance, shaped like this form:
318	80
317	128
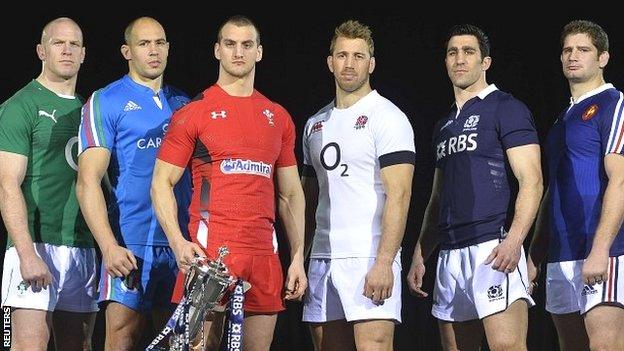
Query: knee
375	343
29	345
506	344
604	344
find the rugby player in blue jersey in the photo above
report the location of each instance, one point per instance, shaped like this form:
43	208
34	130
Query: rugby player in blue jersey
121	131
580	224
487	138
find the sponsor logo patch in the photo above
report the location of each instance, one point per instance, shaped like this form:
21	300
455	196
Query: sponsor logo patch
238	166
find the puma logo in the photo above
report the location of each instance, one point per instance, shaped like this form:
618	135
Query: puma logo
45	114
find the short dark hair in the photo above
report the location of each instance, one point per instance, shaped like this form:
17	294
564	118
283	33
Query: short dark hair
595	32
239	21
469	29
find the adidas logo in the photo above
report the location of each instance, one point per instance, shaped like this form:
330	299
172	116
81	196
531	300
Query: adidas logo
131	106
588	290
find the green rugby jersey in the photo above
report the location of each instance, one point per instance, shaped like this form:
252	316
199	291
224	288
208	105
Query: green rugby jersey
43	126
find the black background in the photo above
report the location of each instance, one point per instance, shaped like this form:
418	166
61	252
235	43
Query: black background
410	72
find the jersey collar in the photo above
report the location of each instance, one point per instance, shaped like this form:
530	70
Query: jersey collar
590	93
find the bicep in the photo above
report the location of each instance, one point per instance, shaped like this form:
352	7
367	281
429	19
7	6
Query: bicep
397	177
167	172
93	163
12	167
614	167
287	180
525	160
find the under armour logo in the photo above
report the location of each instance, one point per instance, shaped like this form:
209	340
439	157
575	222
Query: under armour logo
269	115
49	115
215	114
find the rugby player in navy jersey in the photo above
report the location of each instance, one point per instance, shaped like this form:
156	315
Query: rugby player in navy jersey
487	138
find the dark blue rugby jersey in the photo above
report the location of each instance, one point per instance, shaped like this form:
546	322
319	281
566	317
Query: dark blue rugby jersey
470	152
577	143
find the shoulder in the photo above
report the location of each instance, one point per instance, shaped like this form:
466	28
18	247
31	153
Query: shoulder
508	103
319	115
23	103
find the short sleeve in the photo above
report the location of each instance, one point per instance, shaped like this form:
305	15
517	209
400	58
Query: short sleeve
394	138
611	126
98	123
179	141
515	124
16	129
286	157
308	169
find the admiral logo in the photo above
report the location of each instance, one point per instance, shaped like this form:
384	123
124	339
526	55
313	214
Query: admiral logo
317	127
239	166
588	290
590	112
495	292
456	144
269	115
361	122
471	123
216	114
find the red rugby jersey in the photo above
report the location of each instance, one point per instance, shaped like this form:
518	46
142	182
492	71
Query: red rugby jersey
234	144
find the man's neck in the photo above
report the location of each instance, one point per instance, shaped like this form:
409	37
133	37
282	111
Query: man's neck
578	89
155	84
463	95
346	99
236	86
58	85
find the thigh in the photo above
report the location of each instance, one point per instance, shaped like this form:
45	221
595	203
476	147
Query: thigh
336	335
605	327
30	329
374	335
461	335
258	331
264	273
451	299
77	279
507	330
122	321
73	330
571	331
158	278
493	291
348	276
17	294
321	302
562	288
609	292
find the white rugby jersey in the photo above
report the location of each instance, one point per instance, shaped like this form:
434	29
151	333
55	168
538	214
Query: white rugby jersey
345	149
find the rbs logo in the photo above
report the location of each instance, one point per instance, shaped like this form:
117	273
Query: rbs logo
456	144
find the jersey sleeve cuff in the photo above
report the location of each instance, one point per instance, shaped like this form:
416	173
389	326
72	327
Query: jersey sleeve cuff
398	157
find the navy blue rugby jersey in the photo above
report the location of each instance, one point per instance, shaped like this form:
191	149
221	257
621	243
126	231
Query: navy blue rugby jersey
470	149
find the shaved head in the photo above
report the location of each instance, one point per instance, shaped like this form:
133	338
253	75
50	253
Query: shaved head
133	24
45	34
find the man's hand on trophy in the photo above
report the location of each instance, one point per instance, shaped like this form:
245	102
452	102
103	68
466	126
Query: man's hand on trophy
186	253
296	282
118	260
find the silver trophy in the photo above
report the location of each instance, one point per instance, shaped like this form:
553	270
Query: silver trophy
206	283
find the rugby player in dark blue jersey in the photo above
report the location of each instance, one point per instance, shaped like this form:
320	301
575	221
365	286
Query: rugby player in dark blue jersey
487	138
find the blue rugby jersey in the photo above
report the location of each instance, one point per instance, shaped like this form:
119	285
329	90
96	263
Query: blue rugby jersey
470	149
130	120
577	143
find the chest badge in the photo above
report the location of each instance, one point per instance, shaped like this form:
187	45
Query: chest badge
269	115
471	123
590	112
360	123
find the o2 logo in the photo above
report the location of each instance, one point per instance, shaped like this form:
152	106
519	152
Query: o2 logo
330	163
